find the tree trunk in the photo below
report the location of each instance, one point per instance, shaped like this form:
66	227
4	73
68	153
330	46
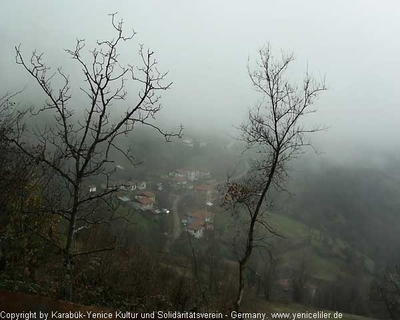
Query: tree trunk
242	265
69	245
67	279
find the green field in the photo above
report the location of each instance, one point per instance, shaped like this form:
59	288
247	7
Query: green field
326	256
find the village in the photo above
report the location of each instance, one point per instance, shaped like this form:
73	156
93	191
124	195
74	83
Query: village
152	199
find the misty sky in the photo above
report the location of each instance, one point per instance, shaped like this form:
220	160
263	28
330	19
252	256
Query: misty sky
205	45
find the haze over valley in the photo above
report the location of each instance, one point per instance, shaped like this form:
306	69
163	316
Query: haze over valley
215	157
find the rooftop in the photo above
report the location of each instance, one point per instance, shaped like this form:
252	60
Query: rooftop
144	201
200	215
196	225
178	179
203	187
148	194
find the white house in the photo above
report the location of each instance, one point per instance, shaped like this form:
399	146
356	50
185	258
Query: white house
143	203
130	185
196	229
177	173
190	174
188	142
146	194
178	181
141	185
198	222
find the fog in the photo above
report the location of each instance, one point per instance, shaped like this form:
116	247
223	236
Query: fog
195	207
205	46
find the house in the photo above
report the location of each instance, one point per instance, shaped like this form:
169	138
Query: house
117	185
177	173
197	174
196	229
141	185
178	181
144	200
143	203
188	142
146	194
194	174
190	174
205	175
198	222
201	215
92	188
130	185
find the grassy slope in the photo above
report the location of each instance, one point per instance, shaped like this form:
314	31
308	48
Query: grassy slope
325	267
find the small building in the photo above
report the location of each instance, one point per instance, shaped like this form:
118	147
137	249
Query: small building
191	174
141	185
194	174
130	185
92	188
178	181
143	203
117	185
146	194
177	173
188	142
201	215
198	222
196	229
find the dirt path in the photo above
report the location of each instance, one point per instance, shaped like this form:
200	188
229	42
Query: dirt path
176	220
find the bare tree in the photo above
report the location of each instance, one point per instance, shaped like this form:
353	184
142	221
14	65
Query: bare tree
77	148
386	289
275	133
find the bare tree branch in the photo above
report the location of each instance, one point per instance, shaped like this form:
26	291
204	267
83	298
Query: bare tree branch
275	135
76	148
